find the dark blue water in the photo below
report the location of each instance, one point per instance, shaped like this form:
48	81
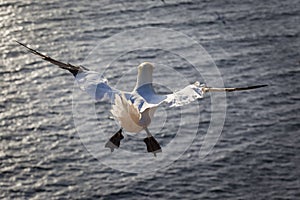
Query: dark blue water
252	42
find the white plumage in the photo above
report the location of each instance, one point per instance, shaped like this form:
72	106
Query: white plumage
134	110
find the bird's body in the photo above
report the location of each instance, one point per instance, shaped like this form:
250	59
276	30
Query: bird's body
130	113
134	110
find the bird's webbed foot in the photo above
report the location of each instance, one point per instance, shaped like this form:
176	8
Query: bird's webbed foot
152	145
114	141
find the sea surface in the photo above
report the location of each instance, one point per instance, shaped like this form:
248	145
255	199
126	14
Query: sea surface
48	150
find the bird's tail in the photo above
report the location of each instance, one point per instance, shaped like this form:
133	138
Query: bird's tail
212	89
126	113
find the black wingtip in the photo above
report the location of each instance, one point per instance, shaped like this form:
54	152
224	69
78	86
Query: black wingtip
257	86
67	66
248	88
20	43
31	50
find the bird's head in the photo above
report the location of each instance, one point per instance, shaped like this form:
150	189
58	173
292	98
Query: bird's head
146	67
145	71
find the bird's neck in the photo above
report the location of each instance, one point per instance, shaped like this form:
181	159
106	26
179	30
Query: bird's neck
144	77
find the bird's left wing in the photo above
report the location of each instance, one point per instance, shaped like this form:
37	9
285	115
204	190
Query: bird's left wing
91	82
67	66
97	86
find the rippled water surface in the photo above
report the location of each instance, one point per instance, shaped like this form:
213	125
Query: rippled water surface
252	42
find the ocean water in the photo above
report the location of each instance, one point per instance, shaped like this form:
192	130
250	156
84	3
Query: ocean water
44	152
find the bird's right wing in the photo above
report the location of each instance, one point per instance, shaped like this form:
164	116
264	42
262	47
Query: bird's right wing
196	91
186	95
211	89
145	97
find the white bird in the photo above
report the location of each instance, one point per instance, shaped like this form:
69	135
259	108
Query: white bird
134	110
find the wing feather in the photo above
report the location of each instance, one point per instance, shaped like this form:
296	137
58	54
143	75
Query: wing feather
186	95
67	66
91	82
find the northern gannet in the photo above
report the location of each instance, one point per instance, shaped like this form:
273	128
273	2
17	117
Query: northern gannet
134	110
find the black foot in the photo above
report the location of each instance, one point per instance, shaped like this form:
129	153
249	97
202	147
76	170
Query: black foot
114	141
152	145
